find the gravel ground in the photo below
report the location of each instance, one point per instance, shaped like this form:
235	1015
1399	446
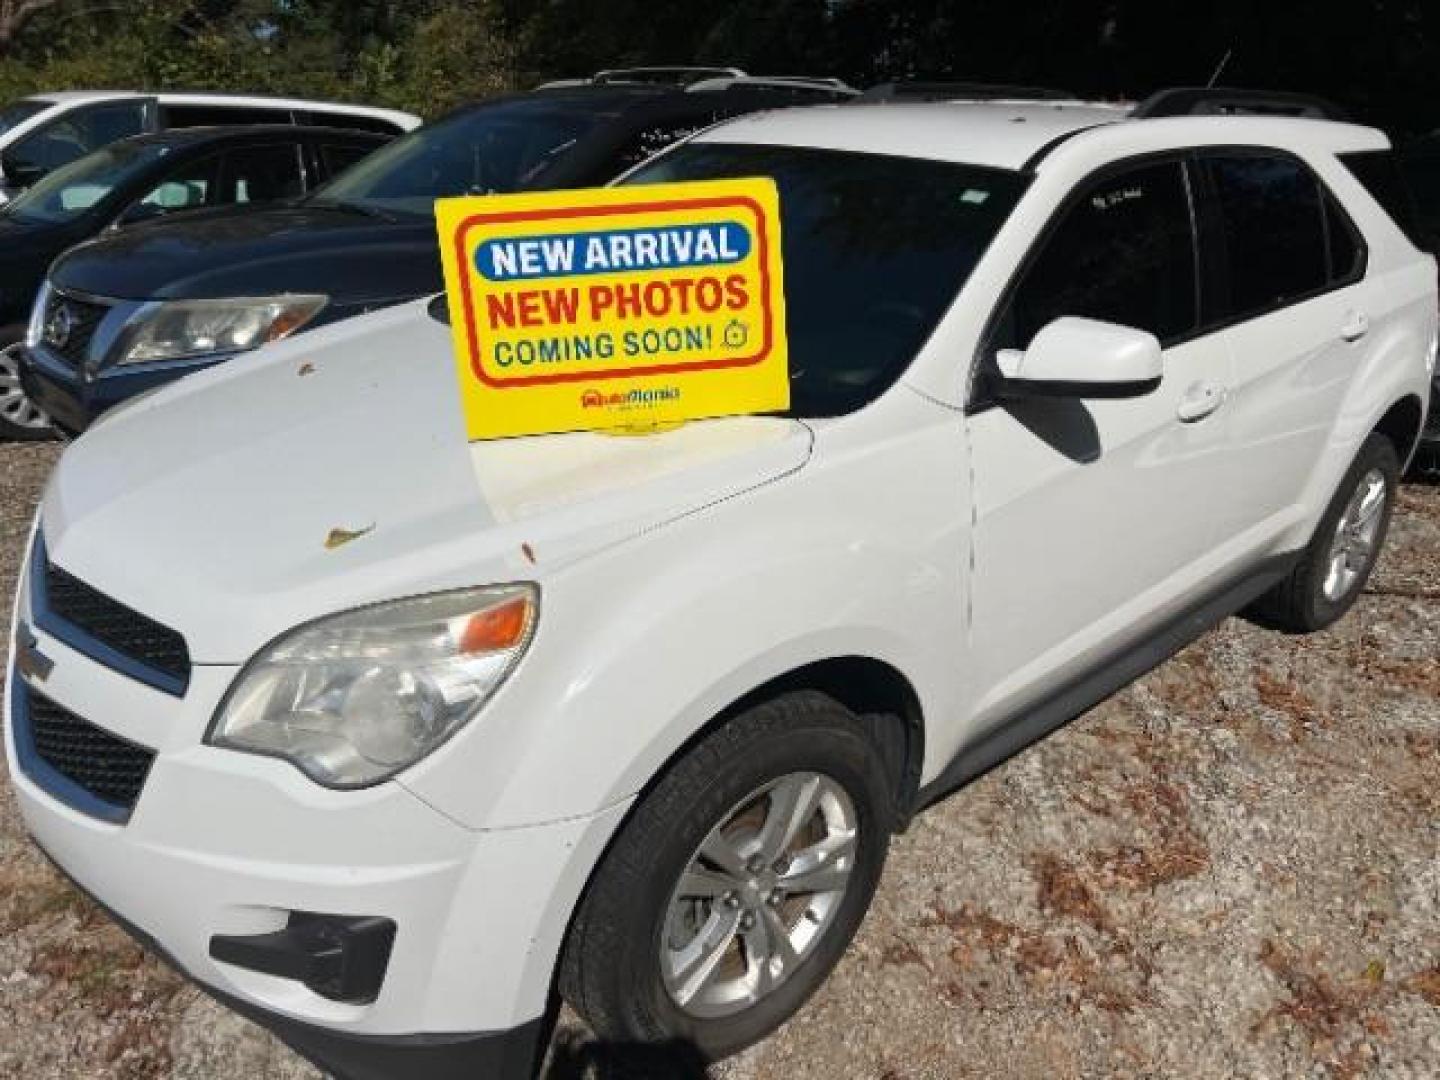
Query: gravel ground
1228	870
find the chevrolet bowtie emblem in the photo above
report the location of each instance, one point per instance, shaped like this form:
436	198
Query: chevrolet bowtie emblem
29	660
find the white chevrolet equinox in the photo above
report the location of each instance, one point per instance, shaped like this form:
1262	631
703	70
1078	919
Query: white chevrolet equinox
392	740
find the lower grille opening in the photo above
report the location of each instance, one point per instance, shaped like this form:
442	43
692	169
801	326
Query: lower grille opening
104	765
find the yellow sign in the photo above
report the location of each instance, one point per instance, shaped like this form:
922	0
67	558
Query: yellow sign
630	307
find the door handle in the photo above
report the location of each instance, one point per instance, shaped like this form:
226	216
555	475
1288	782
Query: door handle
1200	401
1356	326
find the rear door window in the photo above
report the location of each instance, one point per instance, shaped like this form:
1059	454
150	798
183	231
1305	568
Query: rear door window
1284	237
1123	251
266	173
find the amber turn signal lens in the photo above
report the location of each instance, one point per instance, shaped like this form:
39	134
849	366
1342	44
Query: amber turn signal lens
286	324
497	628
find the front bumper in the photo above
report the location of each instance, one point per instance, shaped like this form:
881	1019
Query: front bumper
473	1056
75	399
223	844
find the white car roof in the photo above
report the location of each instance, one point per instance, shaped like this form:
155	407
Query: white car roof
80	97
1011	134
71	98
1001	134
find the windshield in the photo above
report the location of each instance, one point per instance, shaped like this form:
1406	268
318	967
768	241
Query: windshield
478	152
875	249
76	188
17	112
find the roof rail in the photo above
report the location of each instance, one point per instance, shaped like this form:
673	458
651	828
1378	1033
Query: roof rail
678	75
961	91
832	88
1223	101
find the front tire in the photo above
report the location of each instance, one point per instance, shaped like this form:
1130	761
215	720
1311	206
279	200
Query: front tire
737	882
1334	568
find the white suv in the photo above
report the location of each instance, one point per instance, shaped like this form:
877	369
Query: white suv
385	737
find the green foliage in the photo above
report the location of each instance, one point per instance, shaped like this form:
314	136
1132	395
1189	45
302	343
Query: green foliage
417	56
1377	56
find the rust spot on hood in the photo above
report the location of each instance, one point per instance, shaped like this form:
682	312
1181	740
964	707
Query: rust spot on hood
339	537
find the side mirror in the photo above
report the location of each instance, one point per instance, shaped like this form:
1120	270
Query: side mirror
1083	358
136	213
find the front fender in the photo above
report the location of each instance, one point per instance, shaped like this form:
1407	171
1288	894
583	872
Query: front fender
641	645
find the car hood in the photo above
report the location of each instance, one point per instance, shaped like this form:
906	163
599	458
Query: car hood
306	248
333	470
29	239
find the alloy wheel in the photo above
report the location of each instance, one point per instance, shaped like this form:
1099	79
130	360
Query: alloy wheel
758	895
1353	547
15	407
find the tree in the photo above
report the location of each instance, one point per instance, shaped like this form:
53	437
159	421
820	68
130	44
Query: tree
15	15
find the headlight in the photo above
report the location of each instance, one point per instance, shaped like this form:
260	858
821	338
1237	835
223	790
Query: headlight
354	698
35	330
179	329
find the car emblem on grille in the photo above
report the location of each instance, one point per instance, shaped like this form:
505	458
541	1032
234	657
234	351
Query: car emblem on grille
62	322
29	660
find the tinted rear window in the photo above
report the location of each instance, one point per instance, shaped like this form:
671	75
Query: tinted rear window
1272	218
1380	173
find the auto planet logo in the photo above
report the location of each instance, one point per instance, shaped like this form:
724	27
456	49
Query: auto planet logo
629	399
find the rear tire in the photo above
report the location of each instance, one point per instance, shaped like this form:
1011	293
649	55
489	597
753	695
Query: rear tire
1334	568
20	419
768	836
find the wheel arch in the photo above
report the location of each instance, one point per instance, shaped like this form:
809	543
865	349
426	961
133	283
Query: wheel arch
1402	424
866	685
869	687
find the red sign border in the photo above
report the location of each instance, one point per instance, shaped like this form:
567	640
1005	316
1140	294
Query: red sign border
507	217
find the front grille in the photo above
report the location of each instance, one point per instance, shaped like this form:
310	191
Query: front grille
69	325
106	766
132	635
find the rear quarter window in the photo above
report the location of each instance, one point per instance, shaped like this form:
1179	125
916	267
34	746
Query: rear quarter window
1384	176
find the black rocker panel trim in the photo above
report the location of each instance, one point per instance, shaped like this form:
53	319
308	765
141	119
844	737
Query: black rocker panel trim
1016	733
